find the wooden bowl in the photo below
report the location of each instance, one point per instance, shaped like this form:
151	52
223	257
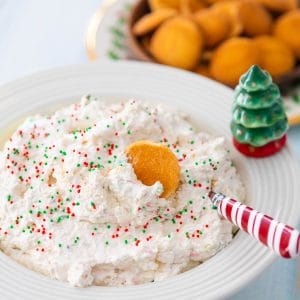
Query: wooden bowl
285	82
138	11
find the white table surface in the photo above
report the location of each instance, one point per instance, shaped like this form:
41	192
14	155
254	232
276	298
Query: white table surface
41	34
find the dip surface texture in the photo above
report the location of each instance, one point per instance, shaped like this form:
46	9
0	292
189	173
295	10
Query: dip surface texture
72	208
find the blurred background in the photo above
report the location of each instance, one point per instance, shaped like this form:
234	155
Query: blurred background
42	34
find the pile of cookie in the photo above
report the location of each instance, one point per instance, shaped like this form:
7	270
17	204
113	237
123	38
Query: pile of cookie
221	39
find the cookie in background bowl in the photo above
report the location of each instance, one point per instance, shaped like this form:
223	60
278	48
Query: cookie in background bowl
192	35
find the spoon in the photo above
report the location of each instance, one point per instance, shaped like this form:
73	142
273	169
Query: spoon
283	239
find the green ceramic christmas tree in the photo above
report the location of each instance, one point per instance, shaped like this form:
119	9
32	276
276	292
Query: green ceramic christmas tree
259	122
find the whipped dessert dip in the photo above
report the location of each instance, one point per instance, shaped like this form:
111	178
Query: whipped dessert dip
73	209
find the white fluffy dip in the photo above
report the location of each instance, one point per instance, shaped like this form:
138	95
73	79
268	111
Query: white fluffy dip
72	208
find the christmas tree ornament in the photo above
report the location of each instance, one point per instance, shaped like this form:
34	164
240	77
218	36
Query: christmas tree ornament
259	122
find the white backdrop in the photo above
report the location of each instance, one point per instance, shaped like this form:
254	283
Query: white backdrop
40	34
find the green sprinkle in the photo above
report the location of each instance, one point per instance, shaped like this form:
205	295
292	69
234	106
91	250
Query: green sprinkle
62	152
126	242
59	245
106	243
38	242
128	132
173	221
190	202
108	226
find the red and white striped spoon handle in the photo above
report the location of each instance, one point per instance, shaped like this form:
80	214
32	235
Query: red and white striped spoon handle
281	238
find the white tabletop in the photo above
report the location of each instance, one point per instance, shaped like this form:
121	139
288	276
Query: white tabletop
41	34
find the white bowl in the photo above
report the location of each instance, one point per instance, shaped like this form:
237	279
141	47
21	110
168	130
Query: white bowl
271	183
